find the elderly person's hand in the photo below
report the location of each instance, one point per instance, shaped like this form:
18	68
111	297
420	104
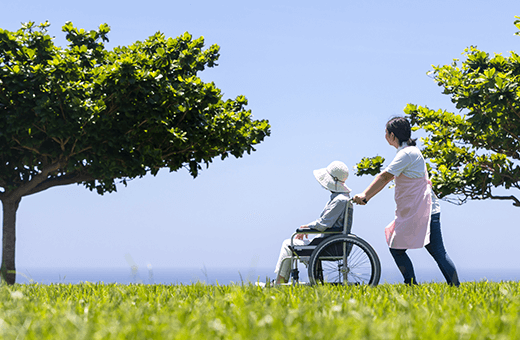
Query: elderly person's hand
360	199
300	236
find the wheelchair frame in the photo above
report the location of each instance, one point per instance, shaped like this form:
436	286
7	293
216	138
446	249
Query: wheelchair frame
341	247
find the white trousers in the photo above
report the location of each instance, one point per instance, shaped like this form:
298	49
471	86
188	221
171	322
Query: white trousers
283	266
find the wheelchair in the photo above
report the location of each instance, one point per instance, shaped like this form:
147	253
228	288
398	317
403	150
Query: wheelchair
337	257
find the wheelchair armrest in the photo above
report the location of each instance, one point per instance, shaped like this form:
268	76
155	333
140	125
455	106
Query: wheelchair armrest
308	231
316	231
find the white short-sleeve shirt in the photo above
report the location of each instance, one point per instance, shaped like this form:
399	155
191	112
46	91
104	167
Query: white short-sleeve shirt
409	161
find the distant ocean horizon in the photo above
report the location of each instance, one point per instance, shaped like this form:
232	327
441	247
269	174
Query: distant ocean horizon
224	276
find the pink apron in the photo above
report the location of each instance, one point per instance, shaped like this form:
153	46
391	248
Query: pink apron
411	227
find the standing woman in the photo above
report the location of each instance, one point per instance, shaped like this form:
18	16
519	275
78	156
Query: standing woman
417	216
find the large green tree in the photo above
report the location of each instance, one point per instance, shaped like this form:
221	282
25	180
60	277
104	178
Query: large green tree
474	152
83	114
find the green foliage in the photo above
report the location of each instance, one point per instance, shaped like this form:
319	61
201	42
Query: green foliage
458	167
471	154
478	150
88	115
83	114
475	310
369	166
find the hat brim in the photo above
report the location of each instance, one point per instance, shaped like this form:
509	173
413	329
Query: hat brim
326	181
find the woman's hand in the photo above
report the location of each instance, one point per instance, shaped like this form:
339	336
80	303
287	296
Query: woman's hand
360	199
300	236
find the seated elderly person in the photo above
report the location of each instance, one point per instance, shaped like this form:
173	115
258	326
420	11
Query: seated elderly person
332	178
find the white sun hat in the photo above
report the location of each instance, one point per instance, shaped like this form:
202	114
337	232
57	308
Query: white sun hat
333	177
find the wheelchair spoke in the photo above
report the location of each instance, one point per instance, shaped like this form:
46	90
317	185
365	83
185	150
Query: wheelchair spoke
344	261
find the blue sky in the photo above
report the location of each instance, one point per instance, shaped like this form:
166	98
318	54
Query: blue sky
327	75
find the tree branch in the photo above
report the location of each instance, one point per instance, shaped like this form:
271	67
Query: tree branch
504	126
36	180
516	112
39	128
59	181
80	151
26	147
516	201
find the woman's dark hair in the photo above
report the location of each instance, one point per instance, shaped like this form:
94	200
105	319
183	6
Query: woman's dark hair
401	129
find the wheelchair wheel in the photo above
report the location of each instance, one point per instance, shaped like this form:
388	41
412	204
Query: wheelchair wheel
344	260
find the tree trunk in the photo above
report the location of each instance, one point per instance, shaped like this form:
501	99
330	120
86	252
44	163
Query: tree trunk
7	270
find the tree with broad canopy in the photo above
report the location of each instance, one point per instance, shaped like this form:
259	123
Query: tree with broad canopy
86	115
472	154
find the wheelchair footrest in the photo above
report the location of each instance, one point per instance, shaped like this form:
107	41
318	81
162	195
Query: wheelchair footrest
295	275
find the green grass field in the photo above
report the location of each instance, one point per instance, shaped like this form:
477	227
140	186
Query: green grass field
476	310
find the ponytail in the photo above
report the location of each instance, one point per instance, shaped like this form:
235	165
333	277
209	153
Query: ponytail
402	130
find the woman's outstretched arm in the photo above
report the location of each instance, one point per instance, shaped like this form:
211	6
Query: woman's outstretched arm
376	186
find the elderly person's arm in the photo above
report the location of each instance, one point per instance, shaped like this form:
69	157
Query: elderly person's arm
328	217
381	180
